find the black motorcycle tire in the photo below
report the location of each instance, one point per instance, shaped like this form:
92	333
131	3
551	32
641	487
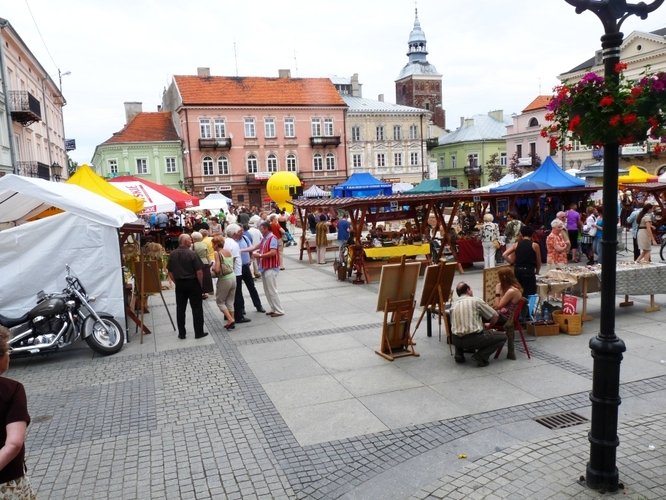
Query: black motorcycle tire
100	341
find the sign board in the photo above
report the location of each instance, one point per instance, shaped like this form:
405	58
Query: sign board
70	144
634	150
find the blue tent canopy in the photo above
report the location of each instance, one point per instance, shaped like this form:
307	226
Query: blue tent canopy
548	176
361	185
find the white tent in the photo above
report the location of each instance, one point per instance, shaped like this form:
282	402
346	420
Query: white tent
315	191
213	202
504	180
33	254
401	187
662	177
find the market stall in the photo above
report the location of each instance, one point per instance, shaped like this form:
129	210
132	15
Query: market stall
157	198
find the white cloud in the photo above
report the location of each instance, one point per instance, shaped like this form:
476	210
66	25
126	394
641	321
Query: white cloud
492	54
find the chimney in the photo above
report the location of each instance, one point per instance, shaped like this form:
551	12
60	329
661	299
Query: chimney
380	97
498	115
462	121
203	72
355	86
284	73
131	110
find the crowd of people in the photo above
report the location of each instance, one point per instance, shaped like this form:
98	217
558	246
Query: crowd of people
222	253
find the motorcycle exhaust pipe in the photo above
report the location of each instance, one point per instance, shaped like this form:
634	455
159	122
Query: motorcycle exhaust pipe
34	349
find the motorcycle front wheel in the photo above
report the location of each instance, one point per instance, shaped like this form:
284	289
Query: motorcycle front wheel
106	343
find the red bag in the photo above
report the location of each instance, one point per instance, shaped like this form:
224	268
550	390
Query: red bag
569	303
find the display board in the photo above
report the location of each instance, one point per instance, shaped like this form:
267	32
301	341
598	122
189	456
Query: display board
148	277
397	282
432	278
490	280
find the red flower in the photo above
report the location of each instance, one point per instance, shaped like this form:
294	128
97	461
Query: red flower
574	122
615	120
606	101
544	132
553	142
658	148
620	67
629	119
550	117
654	123
636	91
630	101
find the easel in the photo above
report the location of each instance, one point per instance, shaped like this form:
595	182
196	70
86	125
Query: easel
148	282
436	293
396	288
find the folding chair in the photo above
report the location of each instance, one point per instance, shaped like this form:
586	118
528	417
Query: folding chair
518	327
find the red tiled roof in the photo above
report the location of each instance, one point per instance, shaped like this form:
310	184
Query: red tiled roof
539	103
147	127
257	91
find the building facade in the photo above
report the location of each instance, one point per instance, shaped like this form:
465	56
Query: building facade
639	51
462	155
523	136
147	146
238	131
387	140
32	141
419	85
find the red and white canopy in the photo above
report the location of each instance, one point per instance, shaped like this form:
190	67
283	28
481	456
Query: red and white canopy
157	198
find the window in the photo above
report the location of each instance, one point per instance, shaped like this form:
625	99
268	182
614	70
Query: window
357	160
328	127
519	150
330	161
381	160
291	163
380	133
397	133
289	127
204	128
413	132
207	165
533	151
413	159
533	122
141	166
269	127
316	127
473	159
252	164
317	163
113	166
454	161
503	159
170	165
397	159
271	163
250	129
356	133
441	162
223	165
220	129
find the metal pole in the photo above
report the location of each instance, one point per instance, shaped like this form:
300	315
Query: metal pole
607	348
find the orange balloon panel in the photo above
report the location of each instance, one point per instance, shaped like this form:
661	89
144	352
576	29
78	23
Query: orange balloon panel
278	186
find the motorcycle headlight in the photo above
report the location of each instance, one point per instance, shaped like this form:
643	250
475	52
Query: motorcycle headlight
71	304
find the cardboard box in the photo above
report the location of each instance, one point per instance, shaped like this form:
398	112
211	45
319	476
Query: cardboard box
543	330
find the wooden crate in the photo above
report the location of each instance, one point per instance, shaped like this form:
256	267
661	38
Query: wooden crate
543	330
571	324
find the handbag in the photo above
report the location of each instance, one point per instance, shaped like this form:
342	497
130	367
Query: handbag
592	231
497	244
225	268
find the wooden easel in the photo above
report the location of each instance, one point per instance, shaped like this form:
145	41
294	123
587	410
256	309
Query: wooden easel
396	342
436	293
148	283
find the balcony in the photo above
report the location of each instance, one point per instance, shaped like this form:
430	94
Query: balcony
219	143
24	107
332	140
432	143
472	171
34	169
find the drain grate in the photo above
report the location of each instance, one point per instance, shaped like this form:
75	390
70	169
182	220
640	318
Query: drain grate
561	420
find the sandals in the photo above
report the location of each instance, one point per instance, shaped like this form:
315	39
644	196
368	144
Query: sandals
230	326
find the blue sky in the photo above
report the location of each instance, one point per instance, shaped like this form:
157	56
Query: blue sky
492	54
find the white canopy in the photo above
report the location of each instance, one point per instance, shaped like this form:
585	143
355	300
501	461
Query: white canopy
401	187
154	201
214	201
504	180
315	191
662	177
33	254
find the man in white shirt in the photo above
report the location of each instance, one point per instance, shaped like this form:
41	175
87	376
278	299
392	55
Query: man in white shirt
255	235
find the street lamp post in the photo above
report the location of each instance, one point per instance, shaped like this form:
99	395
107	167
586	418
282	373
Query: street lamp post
607	348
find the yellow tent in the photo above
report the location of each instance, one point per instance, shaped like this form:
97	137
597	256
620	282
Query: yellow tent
88	179
636	175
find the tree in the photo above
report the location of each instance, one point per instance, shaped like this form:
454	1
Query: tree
514	166
71	166
494	168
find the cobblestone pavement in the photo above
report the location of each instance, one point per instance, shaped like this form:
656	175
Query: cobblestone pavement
196	423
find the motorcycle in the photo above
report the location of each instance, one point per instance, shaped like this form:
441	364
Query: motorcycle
60	319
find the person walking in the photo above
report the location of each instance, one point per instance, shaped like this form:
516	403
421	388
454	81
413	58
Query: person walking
14	420
269	266
321	240
225	292
244	241
631	220
185	270
645	219
573	225
231	243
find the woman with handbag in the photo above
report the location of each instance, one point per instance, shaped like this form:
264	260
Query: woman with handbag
589	232
225	293
15	420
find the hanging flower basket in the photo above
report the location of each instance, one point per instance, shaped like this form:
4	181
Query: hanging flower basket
596	112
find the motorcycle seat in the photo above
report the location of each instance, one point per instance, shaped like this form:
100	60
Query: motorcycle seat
10	322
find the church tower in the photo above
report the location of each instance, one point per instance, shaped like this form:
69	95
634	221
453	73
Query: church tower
419	85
